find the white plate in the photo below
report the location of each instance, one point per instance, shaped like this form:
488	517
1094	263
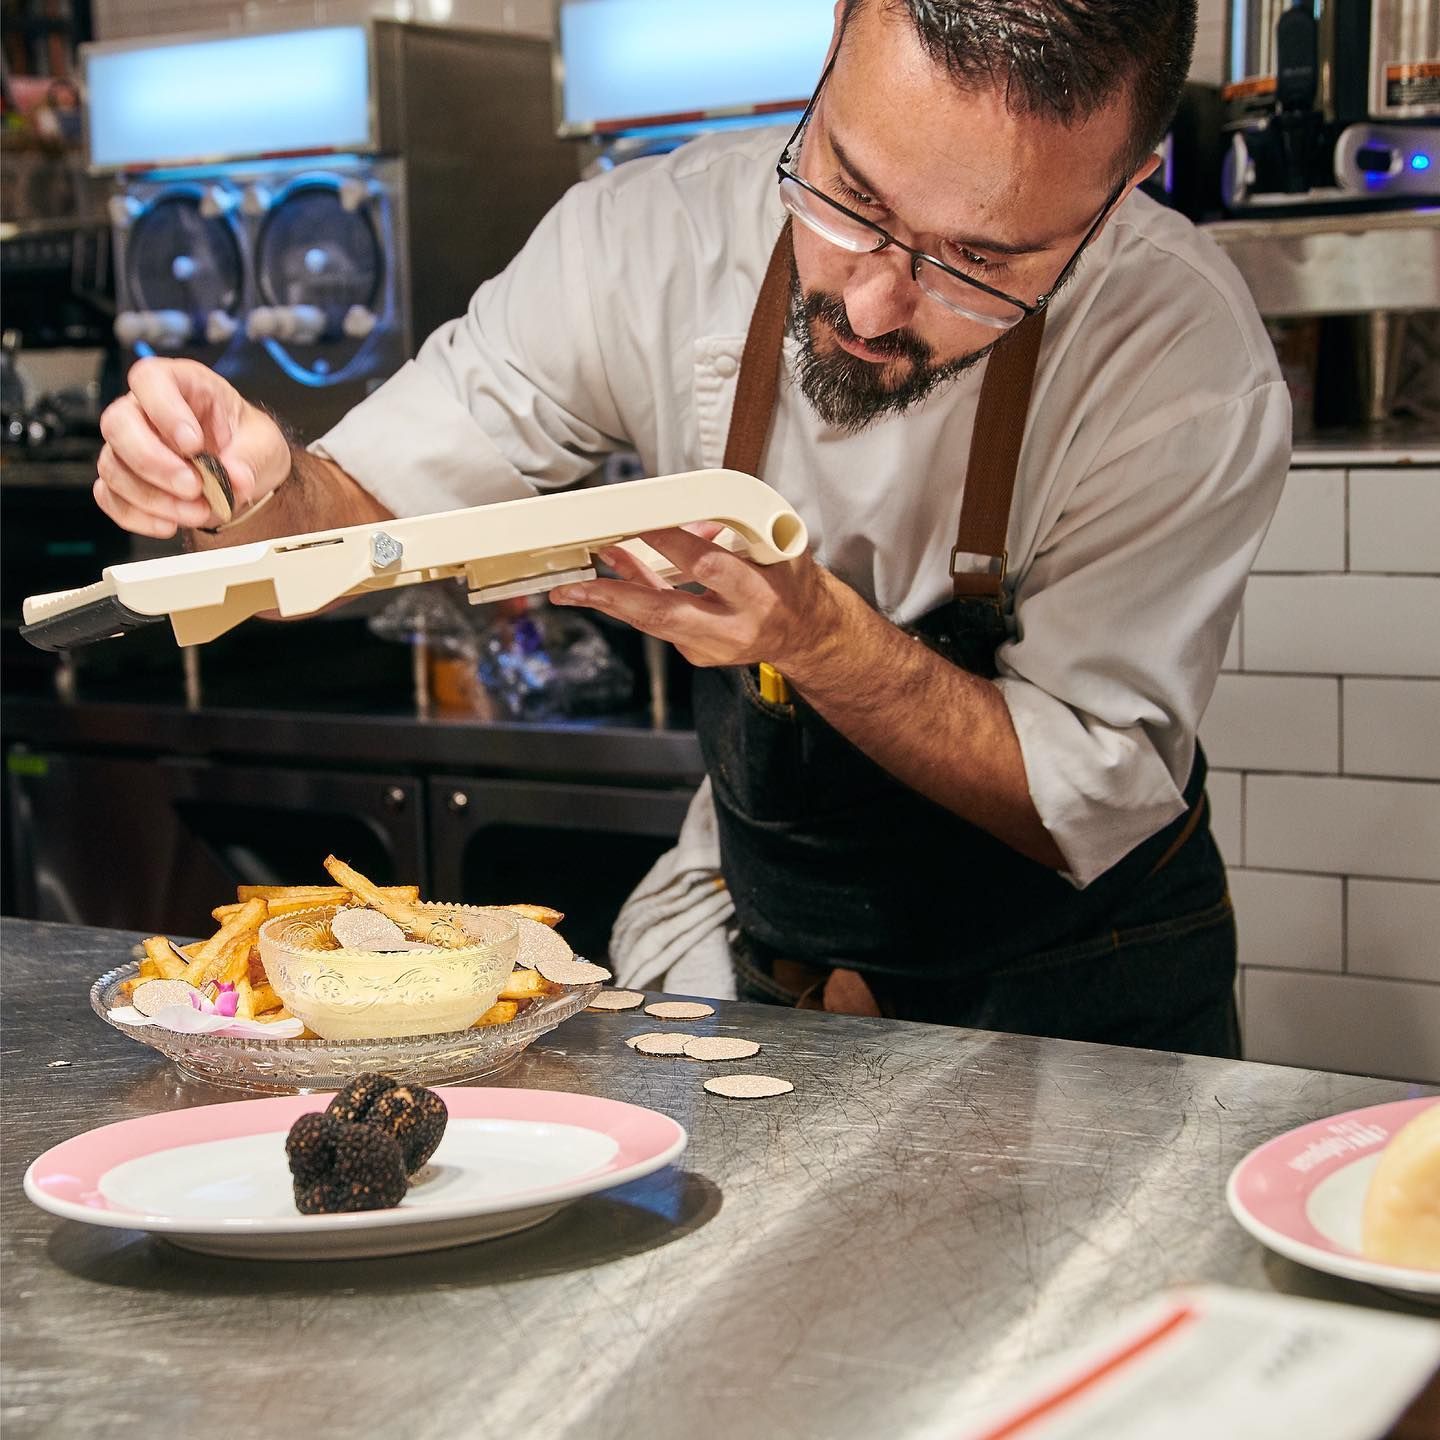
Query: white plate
214	1178
1303	1194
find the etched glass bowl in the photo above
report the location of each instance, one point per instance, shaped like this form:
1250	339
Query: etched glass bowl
345	994
280	1067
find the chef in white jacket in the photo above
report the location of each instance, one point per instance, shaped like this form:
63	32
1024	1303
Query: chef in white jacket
966	786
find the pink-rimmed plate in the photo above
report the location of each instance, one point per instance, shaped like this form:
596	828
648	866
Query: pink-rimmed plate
1302	1194
214	1178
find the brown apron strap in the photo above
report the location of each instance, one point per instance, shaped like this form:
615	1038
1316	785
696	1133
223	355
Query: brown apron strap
977	563
1192	823
839	990
759	380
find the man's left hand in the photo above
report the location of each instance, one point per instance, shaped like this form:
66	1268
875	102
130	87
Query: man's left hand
748	613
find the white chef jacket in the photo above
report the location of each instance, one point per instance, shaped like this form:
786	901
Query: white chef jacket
1155	452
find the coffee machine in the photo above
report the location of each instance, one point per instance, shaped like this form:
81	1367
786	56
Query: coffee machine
299	208
1333	105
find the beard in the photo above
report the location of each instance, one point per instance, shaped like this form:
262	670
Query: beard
849	393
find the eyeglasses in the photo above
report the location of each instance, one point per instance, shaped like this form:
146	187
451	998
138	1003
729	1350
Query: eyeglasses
958	292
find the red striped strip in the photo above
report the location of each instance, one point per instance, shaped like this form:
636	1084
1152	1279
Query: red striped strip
1048	1404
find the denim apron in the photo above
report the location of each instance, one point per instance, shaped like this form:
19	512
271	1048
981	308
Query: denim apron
839	872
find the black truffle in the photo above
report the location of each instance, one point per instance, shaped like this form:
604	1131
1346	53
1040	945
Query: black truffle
413	1115
340	1167
416	1117
310	1147
356	1100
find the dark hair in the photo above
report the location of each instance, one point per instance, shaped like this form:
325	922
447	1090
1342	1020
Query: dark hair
1066	59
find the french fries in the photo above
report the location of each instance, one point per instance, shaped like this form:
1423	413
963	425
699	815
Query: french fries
163	962
543	913
502	1012
213	955
231	955
320	894
286	899
442	930
244	999
264	999
524	985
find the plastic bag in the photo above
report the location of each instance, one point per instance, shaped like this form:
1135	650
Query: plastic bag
522	660
537	661
434	614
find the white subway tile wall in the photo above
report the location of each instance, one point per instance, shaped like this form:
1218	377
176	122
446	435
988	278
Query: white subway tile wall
1308	531
1394	521
1384	828
1393	929
1343	624
1294	921
1325	735
1392	727
1274	722
1343	1022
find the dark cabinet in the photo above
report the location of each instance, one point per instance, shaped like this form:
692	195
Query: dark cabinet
154	844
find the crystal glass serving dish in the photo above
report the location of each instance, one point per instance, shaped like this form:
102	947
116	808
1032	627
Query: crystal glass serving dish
279	1067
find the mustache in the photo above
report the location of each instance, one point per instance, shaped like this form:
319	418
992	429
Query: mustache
897	344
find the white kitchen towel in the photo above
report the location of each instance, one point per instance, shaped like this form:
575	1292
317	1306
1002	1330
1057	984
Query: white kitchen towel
671	933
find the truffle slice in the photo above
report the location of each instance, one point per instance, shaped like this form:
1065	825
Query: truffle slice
748	1087
679	1010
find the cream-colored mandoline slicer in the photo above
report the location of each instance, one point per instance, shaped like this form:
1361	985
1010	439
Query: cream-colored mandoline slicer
515	547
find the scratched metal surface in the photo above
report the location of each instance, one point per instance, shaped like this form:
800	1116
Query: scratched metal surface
930	1211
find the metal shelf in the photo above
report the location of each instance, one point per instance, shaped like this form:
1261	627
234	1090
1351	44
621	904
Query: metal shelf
1337	264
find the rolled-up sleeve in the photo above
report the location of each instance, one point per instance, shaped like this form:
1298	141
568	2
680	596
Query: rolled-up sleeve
1123	617
511	397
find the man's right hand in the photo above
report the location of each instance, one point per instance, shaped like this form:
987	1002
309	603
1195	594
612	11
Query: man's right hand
177	408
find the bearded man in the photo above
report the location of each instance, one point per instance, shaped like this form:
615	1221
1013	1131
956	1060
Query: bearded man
1036	431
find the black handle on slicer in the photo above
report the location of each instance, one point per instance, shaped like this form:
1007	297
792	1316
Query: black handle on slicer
95	620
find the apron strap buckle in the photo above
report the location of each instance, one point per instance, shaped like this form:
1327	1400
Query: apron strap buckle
975	573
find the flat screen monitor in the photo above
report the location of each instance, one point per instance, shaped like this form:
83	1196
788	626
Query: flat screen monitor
227	97
630	66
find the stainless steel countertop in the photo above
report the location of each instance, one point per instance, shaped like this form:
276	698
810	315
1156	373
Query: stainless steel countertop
931	1211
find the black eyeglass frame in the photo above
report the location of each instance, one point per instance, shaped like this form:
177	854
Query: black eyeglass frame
917	257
